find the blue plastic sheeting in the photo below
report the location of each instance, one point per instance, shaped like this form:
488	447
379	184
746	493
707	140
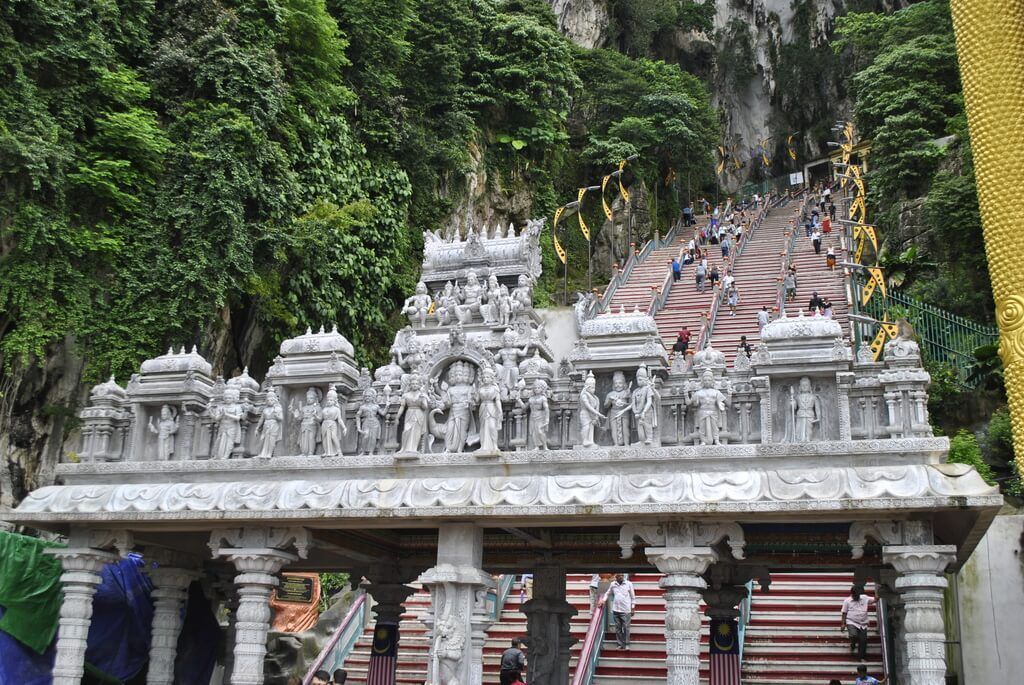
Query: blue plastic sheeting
199	643
122	614
19	665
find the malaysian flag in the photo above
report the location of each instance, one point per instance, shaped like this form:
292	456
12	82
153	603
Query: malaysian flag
724	652
383	655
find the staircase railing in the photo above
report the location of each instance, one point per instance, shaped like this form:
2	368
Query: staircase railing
745	607
496	599
780	300
882	619
590	653
945	337
342	640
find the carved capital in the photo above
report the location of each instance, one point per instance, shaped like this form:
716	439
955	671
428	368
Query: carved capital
682	561
110	539
682	534
888	533
919	560
259	537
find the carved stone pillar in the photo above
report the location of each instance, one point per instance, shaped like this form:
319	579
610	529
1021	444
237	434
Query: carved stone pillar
921	582
844	381
683	567
721	606
762	384
258	555
82	560
548	616
170	590
459	617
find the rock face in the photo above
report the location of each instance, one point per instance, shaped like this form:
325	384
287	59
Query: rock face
586	22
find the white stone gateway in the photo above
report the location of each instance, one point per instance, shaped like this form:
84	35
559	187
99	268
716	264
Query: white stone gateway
467	455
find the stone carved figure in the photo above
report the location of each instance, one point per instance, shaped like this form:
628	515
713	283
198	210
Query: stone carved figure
309	416
509	356
540	414
710	404
408	350
228	416
448	647
165	430
643	407
414	405
268	427
457	398
490	310
368	426
522	294
418	306
332	425
447	306
618	402
590	410
804	411
489	415
472	294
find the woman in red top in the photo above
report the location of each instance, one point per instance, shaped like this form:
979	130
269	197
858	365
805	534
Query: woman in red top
826	225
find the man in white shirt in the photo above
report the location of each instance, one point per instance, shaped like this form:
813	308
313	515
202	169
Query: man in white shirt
623	604
854	620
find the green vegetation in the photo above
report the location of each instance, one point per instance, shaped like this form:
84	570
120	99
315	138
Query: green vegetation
964	449
921	184
226	172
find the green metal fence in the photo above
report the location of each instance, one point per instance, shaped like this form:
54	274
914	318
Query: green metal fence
944	337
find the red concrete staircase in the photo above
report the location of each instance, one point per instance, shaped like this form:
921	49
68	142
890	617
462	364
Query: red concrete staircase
757	270
813	275
792	637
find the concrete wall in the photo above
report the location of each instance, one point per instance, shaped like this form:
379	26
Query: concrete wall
991	594
560	324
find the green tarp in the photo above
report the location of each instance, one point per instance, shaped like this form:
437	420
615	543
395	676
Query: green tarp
29	590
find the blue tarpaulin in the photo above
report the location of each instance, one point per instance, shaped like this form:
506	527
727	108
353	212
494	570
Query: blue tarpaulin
119	637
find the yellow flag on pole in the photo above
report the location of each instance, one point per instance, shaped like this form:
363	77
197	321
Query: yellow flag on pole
860	251
622	188
878	344
720	167
789	146
584	229
858	206
604	203
559	250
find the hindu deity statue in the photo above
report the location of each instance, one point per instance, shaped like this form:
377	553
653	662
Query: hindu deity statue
268	427
710	403
164	431
457	398
509	356
804	410
590	410
309	417
618	402
490	416
414	405
522	294
332	425
368	422
644	408
540	415
418	306
228	415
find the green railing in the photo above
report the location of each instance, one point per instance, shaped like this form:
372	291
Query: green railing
944	337
496	598
745	606
342	641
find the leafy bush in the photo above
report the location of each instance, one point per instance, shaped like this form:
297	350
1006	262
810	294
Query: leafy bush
964	449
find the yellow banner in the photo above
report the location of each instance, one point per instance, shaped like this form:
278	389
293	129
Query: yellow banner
604	203
869	290
878	344
858	205
790	149
879	278
860	252
584	229
622	188
891	329
559	250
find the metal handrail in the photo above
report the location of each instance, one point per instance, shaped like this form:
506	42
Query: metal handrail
746	606
882	619
499	596
780	300
590	653
342	640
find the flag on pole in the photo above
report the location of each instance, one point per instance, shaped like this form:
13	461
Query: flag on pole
724	653
383	655
721	160
584	229
789	146
559	250
604	203
622	188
